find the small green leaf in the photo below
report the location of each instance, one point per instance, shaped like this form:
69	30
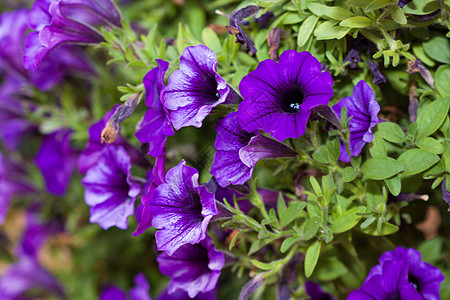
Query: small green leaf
391	132
435	170
442	79
438	48
329	268
291	212
311	258
377	4
379	168
386	229
337	13
430	144
287	243
417	160
315	185
349	174
422	7
399	16
311	227
258	244
211	40
264	266
431	117
378	146
306	30
321	155
357	22
394	185
336	32
334	148
347	220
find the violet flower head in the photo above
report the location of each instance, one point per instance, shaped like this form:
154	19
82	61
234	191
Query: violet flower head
390	283
109	189
378	77
195	89
12	182
57	160
278	97
238	151
182	295
425	278
181	208
192	268
315	292
364	109
154	177
89	157
352	58
59	22
156	125
140	291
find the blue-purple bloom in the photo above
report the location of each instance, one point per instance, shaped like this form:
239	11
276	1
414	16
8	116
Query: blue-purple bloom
57	160
12	182
154	178
27	274
315	292
182	295
401	274
192	268
59	22
156	125
181	208
109	189
196	88
141	290
278	97
238	151
364	109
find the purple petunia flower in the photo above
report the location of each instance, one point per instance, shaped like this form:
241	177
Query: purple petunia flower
445	192
13	27
139	292
196	88
401	273
238	151
390	283
192	268
154	177
315	292
182	295
94	147
181	209
109	189
364	109
27	274
57	160
278	97
59	22
156	125
12	182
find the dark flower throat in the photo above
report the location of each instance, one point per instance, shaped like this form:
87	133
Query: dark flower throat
291	99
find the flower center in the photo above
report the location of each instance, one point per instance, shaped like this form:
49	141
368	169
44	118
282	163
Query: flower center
291	99
414	282
217	95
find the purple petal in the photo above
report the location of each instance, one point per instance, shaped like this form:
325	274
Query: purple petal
142	288
113	293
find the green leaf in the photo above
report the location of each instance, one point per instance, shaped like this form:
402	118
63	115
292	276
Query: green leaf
377	4
357	22
421	7
446	156
438	48
287	243
258	244
358	3
431	117
431	250
349	174
311	227
306	30
325	26
399	16
329	268
311	258
211	40
442	79
417	160
321	155
334	148
336	13
264	266
435	170
379	168
391	132
430	144
378	146
291	212
347	220
336	32
394	185
315	185
386	229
